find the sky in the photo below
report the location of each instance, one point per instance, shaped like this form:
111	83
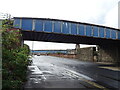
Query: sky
102	12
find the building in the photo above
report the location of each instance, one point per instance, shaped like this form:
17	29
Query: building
119	14
71	51
5	16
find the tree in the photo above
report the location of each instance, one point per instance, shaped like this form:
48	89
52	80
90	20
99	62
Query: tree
15	58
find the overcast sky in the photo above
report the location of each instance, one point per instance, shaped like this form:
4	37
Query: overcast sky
102	12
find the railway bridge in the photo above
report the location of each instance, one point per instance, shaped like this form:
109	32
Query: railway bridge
64	31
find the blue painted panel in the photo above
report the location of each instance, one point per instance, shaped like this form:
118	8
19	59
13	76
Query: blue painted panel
107	33
118	34
57	27
113	34
101	32
81	29
65	28
48	26
88	30
95	31
27	24
17	23
74	29
39	25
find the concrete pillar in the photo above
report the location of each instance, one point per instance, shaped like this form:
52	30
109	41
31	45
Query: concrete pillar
22	43
77	48
21	40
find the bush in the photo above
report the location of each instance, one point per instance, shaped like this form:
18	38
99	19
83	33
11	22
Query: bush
15	57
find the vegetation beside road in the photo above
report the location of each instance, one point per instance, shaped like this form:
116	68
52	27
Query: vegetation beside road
15	57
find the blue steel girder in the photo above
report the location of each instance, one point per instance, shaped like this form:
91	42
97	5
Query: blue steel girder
54	30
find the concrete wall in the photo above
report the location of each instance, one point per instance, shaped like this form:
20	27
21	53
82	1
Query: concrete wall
109	53
64	55
105	53
86	54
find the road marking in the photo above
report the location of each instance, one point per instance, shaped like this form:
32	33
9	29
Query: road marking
86	79
78	74
95	84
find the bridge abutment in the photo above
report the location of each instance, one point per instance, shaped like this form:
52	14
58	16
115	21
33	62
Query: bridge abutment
105	53
109	53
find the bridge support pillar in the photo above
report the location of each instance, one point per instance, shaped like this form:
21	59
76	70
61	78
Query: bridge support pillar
109	53
77	48
22	42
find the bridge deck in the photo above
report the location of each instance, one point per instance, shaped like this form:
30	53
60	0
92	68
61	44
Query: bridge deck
72	29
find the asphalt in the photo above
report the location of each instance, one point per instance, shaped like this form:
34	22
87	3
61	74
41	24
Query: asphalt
55	72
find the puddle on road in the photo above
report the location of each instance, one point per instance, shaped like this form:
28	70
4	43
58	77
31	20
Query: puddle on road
36	76
55	72
47	72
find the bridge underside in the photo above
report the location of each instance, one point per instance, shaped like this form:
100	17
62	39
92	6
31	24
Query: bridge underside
62	38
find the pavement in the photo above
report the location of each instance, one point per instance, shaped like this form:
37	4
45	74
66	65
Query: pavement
109	65
112	68
55	72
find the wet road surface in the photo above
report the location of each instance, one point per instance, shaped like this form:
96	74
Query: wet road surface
55	72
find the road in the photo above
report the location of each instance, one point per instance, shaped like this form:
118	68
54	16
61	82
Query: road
55	72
